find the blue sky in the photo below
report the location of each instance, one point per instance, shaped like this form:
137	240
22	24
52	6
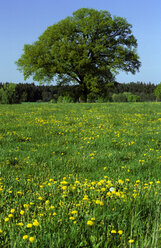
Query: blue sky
23	21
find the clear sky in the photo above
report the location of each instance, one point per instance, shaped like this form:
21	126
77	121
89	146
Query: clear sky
23	21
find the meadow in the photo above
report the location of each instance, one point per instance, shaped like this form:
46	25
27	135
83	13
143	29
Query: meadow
80	175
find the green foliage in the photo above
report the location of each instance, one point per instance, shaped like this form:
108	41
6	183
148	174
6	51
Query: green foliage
35	93
53	101
121	97
3	96
157	92
92	97
60	99
68	99
125	97
8	94
133	98
88	49
82	99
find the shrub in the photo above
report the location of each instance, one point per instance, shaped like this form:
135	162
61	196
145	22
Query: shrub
134	98
60	99
101	99
82	99
157	92
8	94
121	97
67	99
91	97
53	101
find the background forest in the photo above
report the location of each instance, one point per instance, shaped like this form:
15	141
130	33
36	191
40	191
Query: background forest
132	92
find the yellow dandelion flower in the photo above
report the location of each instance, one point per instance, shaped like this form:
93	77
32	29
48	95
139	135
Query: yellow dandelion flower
103	189
64	182
35	223
93	219
10	215
74	212
97	201
29	225
22	212
25	237
31	239
76	182
26	205
90	223
131	241
101	203
120	232
117	194
64	187
12	210
54	214
120	181
1	231
85	198
6	219
19	192
51	207
71	218
113	231
20	224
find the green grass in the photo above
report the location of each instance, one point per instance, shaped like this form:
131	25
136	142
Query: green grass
101	161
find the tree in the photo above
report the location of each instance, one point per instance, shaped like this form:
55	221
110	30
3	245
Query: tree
88	49
157	92
8	94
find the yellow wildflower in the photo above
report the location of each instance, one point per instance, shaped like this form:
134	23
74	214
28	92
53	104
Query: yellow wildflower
20	224
29	225
74	212
71	218
35	223
22	212
25	237
93	219
31	239
10	215
90	223
131	241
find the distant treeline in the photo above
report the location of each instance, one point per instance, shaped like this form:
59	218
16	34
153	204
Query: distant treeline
25	92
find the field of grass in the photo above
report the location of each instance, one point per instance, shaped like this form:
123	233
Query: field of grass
80	175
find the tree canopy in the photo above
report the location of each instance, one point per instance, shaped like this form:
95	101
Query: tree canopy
157	92
88	48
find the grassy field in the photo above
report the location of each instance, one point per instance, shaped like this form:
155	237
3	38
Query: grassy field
80	175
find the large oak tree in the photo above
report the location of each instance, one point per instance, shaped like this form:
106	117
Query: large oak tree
88	48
